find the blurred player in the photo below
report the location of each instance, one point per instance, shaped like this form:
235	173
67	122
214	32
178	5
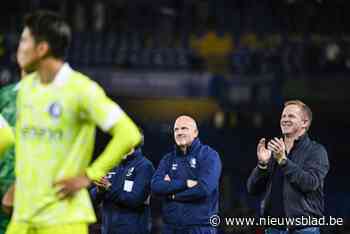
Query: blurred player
57	111
8	97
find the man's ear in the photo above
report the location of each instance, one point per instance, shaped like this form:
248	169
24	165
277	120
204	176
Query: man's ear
43	48
196	133
305	123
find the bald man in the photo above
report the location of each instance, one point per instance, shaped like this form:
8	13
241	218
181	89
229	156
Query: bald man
187	179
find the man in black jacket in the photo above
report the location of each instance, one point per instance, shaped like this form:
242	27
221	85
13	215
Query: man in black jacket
291	181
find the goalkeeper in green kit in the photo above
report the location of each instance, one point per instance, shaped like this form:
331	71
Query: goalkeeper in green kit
8	96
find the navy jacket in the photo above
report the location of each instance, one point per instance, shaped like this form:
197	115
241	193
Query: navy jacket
125	205
304	173
191	206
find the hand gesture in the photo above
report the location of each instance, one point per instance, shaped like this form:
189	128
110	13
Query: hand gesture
167	178
191	183
68	187
264	154
277	146
7	200
104	183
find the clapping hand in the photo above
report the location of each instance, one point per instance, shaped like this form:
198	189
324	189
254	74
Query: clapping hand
277	146
263	154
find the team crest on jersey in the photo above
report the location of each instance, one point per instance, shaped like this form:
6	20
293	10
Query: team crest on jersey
55	110
130	171
193	162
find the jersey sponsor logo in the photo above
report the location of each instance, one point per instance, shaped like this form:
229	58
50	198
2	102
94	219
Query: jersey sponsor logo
55	110
42	133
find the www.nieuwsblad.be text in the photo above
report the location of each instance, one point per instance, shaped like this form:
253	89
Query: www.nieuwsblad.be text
216	221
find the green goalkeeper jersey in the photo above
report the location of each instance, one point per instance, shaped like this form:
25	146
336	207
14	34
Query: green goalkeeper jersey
55	133
8	96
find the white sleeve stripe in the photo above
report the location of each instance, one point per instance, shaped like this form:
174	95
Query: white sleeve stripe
113	117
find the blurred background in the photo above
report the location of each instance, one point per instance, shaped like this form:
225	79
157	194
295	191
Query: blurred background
228	63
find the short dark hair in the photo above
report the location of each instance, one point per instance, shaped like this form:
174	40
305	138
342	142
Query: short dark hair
304	108
52	28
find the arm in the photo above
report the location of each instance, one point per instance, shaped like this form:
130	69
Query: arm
257	181
311	175
97	108
125	137
138	193
208	180
100	109
161	187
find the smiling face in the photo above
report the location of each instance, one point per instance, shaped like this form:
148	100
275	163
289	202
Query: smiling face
185	131
294	121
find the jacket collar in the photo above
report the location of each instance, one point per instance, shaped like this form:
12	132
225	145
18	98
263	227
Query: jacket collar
300	142
191	149
137	153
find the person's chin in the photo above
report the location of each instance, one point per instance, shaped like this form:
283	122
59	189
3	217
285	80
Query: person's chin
285	130
181	144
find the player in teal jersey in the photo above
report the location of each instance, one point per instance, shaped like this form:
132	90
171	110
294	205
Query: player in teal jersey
57	111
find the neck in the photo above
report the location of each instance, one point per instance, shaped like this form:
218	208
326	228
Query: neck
290	138
183	149
48	69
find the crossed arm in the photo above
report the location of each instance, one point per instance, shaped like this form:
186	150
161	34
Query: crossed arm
189	190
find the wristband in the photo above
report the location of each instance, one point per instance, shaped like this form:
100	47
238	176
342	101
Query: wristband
262	165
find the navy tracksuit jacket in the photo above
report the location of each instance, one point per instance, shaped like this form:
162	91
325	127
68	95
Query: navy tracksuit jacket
125	205
190	207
